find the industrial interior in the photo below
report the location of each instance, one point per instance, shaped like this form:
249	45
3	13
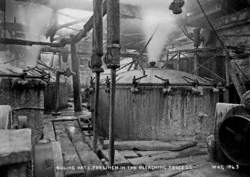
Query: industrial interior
124	88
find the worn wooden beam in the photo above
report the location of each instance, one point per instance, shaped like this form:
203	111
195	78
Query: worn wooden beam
86	156
71	160
88	25
76	79
119	160
128	154
235	77
112	61
226	93
96	61
58	158
151	145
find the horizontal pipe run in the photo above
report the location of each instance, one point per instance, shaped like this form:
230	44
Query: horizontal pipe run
29	43
21	76
29	108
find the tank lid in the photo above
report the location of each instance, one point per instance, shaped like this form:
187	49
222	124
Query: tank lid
157	76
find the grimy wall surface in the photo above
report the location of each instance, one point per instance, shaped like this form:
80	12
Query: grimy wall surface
30	95
50	96
150	115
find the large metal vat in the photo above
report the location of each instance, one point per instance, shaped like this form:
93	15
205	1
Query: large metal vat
163	105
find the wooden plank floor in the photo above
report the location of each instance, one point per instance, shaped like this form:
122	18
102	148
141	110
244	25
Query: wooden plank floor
137	163
79	159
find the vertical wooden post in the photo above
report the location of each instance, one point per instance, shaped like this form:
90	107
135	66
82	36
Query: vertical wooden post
96	62
76	79
227	75
4	18
57	91
113	62
197	41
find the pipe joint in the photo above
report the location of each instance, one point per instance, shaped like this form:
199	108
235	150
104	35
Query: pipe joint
96	63
107	87
112	57
135	88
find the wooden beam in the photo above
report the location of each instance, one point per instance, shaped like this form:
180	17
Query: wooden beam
28	43
89	25
76	79
226	93
113	62
198	50
96	61
235	77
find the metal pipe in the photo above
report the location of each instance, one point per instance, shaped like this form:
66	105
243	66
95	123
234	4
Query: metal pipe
29	43
111	117
29	108
21	76
96	111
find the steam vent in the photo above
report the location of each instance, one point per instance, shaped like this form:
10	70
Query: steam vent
124	88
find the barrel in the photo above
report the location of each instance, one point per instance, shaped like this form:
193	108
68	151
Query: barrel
234	135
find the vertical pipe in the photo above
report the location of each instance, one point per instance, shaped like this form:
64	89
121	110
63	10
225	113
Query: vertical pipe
96	62
76	79
96	111
57	91
113	61
111	117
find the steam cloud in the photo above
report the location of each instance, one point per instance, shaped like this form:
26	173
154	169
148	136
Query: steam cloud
36	19
156	15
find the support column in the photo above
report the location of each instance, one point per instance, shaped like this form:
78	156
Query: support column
197	41
96	62
226	93
76	79
57	92
112	61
